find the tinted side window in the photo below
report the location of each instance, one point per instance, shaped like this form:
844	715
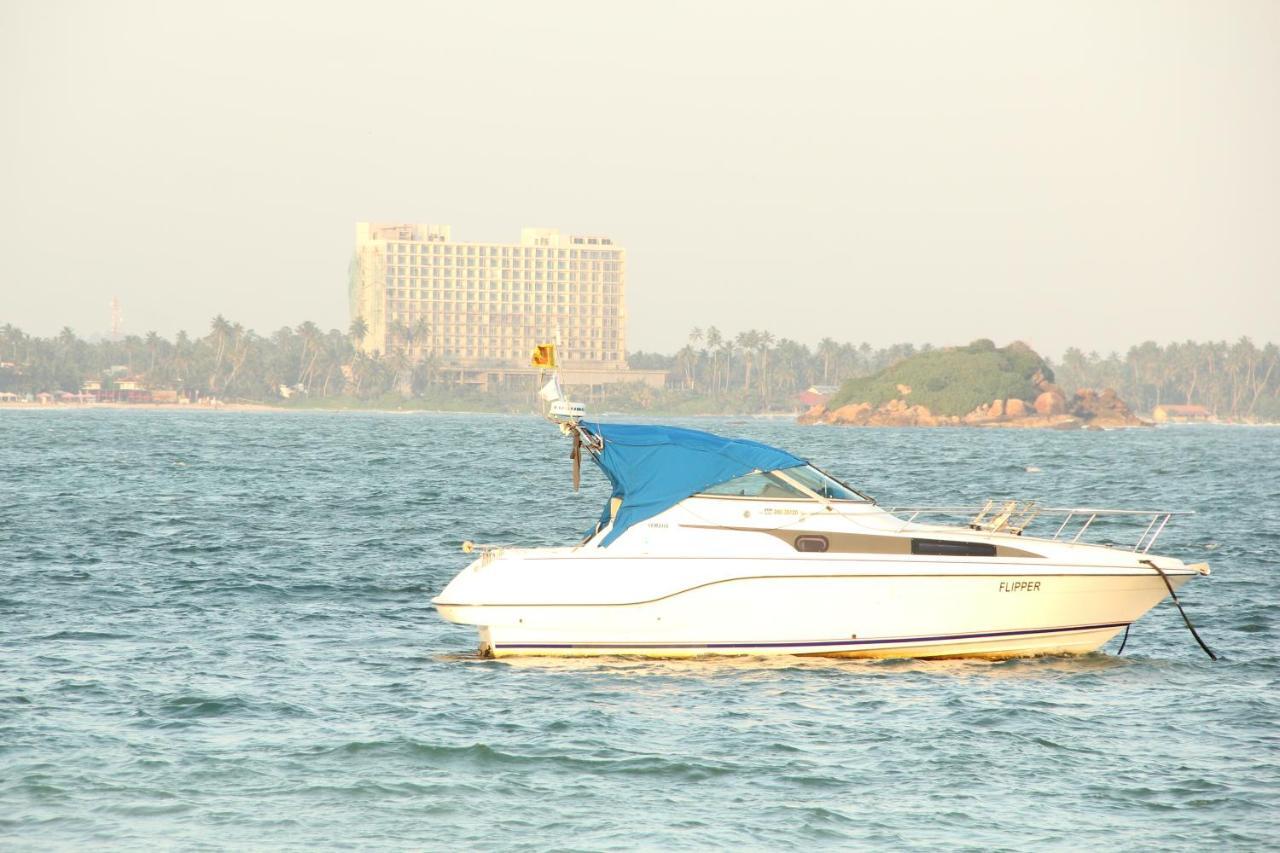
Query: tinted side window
946	548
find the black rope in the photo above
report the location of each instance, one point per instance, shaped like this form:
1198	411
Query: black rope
1192	628
1120	650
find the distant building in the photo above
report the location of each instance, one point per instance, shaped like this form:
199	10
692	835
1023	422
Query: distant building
491	302
127	390
815	395
132	390
480	308
1168	413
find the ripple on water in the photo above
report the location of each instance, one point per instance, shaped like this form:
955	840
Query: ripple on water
215	630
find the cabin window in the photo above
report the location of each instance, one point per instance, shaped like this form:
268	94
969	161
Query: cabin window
825	486
947	548
812	544
757	484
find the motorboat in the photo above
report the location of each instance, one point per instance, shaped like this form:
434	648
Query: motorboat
726	546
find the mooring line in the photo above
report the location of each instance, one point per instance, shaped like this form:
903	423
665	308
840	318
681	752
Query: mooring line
1192	628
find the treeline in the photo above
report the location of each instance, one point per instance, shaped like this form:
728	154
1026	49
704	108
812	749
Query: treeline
1234	381
229	362
768	371
750	371
1239	381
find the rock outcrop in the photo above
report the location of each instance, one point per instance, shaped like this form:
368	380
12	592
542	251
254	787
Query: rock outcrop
1103	410
851	414
893	413
1088	409
1050	403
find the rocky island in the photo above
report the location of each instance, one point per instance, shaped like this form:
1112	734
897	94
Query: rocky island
976	385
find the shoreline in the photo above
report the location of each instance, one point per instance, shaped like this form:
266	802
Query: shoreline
759	416
176	407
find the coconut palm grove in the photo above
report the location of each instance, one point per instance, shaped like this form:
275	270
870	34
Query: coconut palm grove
715	372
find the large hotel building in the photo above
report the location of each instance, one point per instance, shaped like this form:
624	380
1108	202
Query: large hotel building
480	308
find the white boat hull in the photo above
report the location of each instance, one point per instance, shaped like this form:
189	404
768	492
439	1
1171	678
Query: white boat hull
769	607
690	559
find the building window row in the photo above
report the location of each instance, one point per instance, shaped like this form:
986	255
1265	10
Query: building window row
447	264
468	250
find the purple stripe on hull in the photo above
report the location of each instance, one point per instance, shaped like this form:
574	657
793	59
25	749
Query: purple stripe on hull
810	643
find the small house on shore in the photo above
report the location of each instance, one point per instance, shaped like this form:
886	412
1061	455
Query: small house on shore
1170	413
815	395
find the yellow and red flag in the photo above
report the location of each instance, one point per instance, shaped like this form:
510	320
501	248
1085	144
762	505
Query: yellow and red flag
544	356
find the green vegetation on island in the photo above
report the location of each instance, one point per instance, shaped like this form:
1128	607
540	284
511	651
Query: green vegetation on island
952	380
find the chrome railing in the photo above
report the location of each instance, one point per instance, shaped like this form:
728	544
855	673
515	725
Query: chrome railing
1016	516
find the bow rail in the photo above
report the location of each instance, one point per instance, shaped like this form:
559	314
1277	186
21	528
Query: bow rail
1011	516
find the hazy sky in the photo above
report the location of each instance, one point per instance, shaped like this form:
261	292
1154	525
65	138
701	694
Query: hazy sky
1068	173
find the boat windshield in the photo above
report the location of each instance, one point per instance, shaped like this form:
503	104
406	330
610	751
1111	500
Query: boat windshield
825	485
782	484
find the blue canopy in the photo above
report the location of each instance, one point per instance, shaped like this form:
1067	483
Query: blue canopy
653	468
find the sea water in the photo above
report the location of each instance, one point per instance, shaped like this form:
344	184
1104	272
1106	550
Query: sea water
216	631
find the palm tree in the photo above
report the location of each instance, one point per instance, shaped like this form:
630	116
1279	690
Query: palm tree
695	339
400	363
726	350
764	340
153	341
714	342
360	368
1241	359
17	343
358	331
791	361
219	331
864	357
828	349
241	345
336	351
179	368
310	334
1270	359
69	365
747	342
133	346
685	359
418	335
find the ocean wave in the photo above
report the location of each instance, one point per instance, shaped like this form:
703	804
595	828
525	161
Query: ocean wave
254	662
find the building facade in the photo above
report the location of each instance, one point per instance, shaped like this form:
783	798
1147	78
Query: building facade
479	306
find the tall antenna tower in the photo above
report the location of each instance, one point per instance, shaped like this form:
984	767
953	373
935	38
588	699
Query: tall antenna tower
117	318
